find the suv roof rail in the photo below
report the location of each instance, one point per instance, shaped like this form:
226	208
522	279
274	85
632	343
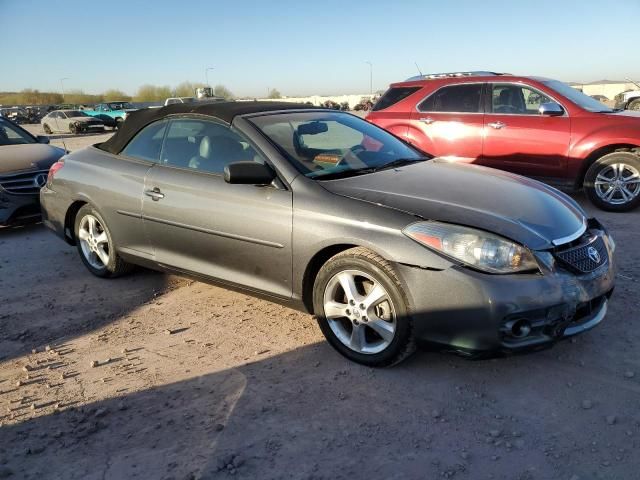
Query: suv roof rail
432	76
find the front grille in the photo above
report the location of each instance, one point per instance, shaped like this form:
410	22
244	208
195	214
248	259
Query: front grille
23	183
586	257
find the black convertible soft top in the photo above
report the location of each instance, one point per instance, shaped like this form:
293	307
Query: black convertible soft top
225	111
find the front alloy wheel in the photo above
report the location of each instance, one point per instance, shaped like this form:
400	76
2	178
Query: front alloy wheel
362	310
613	182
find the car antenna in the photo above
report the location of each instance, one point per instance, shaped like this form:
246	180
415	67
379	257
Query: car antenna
635	83
419	71
64	145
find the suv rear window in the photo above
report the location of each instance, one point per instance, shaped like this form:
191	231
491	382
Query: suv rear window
464	98
393	96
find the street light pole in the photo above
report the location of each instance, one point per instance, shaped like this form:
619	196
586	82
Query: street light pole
62	87
370	77
206	74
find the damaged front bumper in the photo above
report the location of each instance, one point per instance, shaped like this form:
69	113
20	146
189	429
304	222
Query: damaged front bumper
474	312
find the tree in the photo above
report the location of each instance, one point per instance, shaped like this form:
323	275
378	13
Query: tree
222	91
187	89
274	93
115	94
152	93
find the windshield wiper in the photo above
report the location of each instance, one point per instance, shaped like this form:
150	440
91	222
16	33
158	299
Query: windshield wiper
362	171
399	162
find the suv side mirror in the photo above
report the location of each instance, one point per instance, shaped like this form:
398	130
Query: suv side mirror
551	109
42	139
248	173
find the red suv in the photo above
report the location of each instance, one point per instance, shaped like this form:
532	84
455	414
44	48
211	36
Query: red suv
532	126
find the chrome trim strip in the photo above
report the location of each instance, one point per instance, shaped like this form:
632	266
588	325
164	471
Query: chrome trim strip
570	238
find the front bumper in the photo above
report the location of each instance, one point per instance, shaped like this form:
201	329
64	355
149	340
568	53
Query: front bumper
18	209
475	312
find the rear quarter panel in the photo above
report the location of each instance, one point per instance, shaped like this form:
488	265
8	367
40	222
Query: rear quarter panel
113	185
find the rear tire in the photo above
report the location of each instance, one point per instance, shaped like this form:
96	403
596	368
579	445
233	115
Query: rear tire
95	245
612	183
634	105
376	333
73	128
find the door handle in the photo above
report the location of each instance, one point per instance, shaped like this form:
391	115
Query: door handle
497	125
155	194
427	120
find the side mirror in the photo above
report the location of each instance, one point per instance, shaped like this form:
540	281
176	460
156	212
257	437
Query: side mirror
551	109
42	139
248	173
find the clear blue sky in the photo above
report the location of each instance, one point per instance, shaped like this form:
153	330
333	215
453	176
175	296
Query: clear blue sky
308	47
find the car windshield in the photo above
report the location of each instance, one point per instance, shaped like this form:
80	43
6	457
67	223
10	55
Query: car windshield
577	97
76	113
120	105
327	145
13	135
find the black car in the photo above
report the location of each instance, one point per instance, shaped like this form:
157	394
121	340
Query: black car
24	165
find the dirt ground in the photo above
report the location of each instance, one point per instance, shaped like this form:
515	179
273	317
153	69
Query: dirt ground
155	377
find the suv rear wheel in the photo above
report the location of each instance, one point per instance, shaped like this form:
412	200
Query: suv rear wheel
634	105
613	182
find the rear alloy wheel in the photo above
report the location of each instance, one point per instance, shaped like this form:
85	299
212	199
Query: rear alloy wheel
73	128
634	105
46	129
613	182
95	245
361	309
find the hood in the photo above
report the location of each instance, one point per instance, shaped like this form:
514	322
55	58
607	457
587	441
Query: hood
33	156
85	119
626	113
512	206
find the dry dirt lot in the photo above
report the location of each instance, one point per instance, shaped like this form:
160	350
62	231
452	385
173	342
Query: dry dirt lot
156	377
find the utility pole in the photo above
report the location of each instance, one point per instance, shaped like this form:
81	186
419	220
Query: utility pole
370	77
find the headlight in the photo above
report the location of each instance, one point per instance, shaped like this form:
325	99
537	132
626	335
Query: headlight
476	248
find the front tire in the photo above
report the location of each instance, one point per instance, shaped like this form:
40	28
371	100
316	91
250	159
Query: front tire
612	183
118	123
46	129
95	245
634	105
362	310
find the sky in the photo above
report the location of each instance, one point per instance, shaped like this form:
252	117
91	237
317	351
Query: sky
306	47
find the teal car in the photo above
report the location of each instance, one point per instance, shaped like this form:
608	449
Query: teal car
111	113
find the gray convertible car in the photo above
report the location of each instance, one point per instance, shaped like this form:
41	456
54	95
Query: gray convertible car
24	165
327	213
70	121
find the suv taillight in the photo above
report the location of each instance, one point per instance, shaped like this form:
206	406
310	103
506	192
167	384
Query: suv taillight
54	168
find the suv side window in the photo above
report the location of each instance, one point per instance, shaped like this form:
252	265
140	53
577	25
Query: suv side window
147	144
466	98
516	99
205	146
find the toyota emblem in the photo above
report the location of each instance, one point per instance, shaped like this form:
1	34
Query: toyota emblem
40	180
593	254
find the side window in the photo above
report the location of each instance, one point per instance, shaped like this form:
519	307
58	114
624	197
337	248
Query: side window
516	99
147	144
205	146
454	99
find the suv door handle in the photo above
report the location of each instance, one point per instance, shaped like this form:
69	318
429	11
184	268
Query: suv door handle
155	194
427	120
497	125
